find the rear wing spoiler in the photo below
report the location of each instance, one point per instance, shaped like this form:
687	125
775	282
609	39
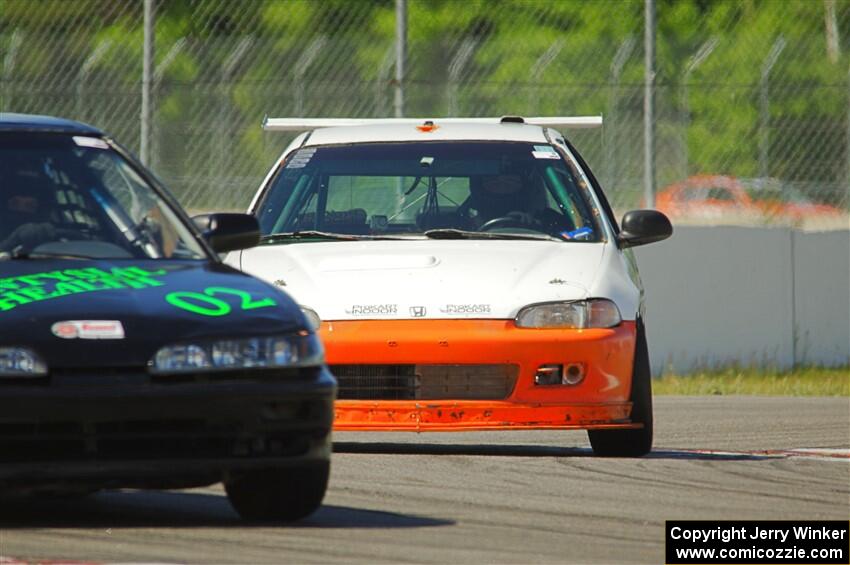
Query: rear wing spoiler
304	124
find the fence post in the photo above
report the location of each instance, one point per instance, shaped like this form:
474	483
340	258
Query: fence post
695	61
400	54
764	106
8	67
83	75
158	74
382	82
307	57
461	58
610	122
147	76
833	41
225	138
537	69
649	105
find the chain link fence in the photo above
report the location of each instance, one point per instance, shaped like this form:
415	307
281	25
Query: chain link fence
752	98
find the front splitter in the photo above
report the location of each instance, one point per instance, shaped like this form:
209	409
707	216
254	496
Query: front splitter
412	416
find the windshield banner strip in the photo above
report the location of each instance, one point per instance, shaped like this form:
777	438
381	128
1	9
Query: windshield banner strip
37	287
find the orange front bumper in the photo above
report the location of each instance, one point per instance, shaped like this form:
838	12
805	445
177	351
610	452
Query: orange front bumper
599	401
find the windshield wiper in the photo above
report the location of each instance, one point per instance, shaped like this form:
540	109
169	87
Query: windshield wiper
315	234
449	233
306	234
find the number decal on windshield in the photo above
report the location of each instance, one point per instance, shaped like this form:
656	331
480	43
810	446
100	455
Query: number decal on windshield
207	305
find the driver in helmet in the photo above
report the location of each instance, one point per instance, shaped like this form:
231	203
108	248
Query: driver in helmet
25	207
505	201
498	196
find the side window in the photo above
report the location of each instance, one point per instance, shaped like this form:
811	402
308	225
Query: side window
289	202
692	194
378	195
719	193
123	184
72	208
452	191
361	203
561	187
382	203
577	166
131	205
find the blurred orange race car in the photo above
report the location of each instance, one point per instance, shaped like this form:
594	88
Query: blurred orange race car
722	198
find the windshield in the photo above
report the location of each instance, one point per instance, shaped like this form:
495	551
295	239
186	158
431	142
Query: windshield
77	197
435	189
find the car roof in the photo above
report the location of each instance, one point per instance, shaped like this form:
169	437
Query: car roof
414	133
48	124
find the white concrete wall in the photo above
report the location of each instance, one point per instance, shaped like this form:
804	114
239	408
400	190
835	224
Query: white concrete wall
822	297
718	296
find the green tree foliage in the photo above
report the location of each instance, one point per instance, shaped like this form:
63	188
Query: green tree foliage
231	62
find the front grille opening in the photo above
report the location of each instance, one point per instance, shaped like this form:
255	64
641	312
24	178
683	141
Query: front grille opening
113	447
103	376
275	374
99	372
375	382
277	429
425	382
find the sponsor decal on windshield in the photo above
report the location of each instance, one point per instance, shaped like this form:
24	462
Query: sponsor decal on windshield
300	159
545	155
580	234
545	152
91	142
38	287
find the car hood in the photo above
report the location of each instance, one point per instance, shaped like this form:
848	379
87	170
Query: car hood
426	278
37	294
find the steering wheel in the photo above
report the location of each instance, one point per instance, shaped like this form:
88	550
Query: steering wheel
512	220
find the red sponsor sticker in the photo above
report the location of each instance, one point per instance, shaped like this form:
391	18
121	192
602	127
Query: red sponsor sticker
88	329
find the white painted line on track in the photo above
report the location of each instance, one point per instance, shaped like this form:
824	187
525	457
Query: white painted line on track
823	453
5	560
839	452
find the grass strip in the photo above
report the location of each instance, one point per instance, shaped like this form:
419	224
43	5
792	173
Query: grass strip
811	381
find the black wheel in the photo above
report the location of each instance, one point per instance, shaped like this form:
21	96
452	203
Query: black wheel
284	494
631	443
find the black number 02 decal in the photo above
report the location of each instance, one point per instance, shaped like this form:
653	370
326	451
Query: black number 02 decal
207	305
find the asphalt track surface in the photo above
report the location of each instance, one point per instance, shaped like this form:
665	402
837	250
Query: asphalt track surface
514	497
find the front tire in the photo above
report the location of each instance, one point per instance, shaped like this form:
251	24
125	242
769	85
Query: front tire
284	494
631	443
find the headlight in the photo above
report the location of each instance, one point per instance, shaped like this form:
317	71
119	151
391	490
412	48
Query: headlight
21	362
581	314
301	350
313	319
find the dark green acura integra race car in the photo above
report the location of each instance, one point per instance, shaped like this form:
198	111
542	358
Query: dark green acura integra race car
130	356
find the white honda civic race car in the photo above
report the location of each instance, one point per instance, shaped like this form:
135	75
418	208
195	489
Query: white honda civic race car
464	274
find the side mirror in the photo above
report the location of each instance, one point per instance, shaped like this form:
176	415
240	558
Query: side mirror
640	227
228	232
